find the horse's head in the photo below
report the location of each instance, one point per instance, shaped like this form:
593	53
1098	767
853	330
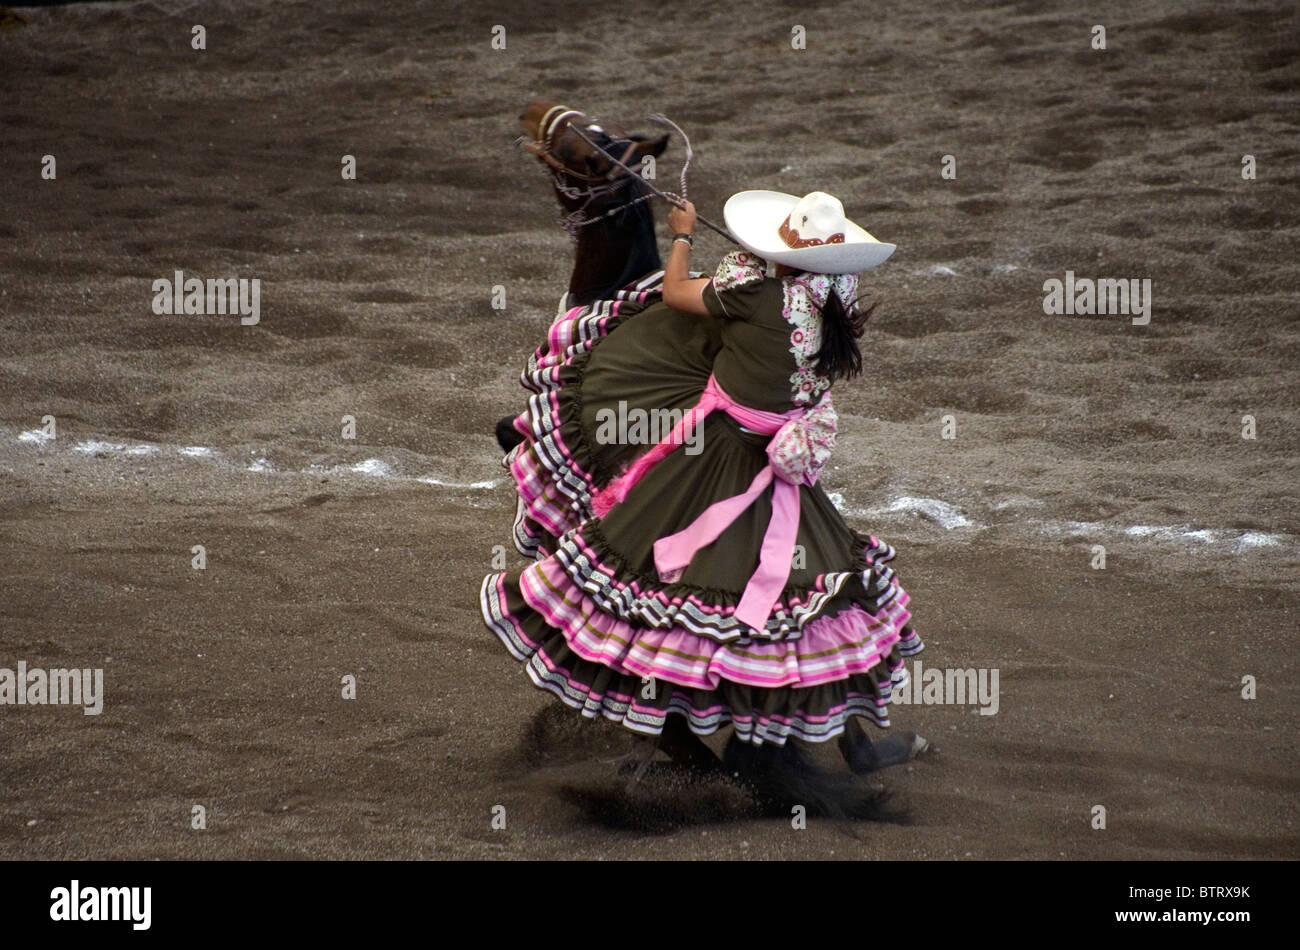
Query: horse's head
575	147
605	207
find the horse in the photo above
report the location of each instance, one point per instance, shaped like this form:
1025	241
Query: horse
606	210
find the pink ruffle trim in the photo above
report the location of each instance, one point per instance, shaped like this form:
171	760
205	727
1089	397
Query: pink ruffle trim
829	648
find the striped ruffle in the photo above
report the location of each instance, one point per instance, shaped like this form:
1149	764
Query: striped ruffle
554	488
751	724
646	602
829	648
641	703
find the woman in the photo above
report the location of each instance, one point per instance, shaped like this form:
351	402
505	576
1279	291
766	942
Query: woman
707	579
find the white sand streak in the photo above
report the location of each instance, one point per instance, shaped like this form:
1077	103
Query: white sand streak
258	463
950	518
944	514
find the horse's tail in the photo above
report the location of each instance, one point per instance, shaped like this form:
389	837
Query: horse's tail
507	436
785	776
764	781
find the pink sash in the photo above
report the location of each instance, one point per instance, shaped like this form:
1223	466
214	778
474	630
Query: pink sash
674	552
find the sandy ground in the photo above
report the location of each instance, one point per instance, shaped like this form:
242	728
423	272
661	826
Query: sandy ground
1119	687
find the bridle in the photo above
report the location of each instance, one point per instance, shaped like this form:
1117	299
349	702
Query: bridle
576	185
546	129
600	186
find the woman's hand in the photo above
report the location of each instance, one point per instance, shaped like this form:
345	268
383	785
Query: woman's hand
682	220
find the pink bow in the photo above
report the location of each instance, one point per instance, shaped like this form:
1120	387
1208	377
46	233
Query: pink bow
674	552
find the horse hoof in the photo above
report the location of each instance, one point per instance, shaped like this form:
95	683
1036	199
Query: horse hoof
864	757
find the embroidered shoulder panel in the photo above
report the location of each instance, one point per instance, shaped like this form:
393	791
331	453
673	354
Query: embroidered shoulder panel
738	269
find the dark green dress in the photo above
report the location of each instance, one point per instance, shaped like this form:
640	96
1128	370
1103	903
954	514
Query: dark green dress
591	619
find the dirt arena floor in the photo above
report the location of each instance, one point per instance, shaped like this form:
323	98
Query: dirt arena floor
1120	687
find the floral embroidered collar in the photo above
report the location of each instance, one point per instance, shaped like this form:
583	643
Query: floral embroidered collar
805	295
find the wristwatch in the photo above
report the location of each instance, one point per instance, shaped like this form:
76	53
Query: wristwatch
688	238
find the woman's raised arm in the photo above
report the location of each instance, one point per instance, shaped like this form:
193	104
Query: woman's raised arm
681	292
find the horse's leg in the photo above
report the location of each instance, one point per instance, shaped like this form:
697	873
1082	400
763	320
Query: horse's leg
865	756
687	749
639	762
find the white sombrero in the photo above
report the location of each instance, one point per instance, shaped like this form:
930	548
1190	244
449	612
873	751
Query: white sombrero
808	233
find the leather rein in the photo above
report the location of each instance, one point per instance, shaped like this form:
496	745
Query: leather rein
602	185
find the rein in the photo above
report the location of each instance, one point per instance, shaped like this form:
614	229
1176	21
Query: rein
573	184
600	186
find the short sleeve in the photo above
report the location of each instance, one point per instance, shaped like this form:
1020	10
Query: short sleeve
734	290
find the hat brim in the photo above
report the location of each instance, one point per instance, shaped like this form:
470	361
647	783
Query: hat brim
754	217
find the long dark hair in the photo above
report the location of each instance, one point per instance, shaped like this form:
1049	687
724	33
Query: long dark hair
842	325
